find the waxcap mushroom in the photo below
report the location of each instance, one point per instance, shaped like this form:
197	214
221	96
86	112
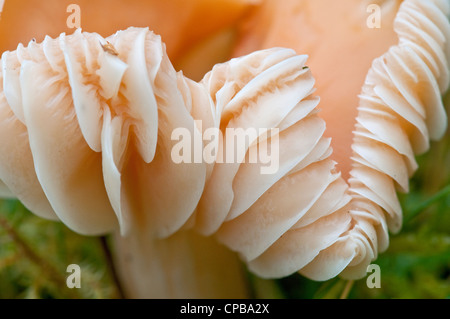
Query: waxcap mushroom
102	159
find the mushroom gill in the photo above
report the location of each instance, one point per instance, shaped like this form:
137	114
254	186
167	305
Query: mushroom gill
341	47
86	127
397	111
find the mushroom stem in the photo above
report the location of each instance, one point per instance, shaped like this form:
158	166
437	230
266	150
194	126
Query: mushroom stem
104	242
185	265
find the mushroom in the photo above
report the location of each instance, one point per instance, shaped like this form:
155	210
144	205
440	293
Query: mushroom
104	158
377	133
103	162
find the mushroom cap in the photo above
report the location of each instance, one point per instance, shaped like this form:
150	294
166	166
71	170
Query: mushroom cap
88	128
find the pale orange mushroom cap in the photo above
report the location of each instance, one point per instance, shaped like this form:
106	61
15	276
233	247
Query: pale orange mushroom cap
103	157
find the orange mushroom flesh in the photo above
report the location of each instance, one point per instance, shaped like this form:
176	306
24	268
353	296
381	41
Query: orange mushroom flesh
341	42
